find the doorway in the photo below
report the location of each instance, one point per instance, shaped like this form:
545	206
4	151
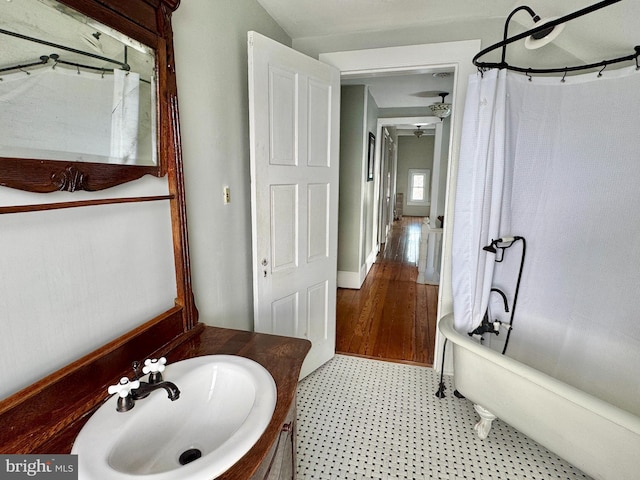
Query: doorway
385	61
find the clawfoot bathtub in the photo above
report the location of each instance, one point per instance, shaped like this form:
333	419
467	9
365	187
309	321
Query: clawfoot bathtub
599	438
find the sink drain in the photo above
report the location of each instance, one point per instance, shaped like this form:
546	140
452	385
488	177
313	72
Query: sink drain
189	456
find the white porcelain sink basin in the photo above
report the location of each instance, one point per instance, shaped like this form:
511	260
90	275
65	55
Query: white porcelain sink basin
225	404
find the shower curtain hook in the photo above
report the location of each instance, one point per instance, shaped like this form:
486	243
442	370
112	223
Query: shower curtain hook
22	70
564	76
529	75
481	71
602	70
78	69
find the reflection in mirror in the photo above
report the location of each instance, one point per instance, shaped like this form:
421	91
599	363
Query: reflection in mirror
72	89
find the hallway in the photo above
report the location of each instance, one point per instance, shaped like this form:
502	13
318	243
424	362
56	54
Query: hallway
391	317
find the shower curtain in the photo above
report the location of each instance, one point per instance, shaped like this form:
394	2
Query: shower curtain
52	111
61	114
124	116
479	196
558	164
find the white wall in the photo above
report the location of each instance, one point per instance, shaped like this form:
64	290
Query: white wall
490	31
210	39
356	241
75	279
352	131
369	238
414	152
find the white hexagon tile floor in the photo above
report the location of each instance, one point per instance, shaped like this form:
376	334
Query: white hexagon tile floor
367	419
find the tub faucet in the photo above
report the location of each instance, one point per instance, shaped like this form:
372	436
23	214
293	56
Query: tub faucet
504	298
487	326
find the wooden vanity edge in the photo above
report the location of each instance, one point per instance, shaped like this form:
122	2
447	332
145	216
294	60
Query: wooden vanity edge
282	357
36	414
47	416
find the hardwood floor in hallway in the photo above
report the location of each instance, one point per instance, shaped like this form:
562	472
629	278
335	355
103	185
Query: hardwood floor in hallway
391	317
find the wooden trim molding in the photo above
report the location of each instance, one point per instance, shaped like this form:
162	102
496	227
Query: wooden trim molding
281	356
47	416
41	416
45	176
39	412
149	22
82	203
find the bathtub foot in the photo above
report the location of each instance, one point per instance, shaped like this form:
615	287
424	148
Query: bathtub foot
484	425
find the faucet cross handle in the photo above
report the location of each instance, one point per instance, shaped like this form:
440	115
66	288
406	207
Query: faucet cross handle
123	387
153	365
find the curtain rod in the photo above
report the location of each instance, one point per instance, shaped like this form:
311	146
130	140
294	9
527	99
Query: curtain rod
44	60
579	13
123	65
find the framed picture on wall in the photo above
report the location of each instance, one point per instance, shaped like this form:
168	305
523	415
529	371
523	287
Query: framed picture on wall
371	156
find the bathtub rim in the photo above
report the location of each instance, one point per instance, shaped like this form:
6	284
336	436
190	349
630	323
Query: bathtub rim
597	406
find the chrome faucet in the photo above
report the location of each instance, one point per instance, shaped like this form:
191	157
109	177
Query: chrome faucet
132	390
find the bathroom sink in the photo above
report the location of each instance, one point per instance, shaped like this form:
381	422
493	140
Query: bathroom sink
225	404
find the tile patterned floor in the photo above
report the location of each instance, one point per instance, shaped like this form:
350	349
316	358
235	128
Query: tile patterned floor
367	419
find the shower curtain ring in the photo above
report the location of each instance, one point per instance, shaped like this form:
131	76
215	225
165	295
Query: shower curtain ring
602	70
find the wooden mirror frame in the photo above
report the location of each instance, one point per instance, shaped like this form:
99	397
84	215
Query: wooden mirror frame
149	22
33	413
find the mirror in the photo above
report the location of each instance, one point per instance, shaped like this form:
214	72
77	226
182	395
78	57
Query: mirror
75	94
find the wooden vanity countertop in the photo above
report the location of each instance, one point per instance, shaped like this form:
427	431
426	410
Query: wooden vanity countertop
281	356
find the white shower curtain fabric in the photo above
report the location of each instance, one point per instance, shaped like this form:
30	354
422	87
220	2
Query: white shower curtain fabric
479	196
556	163
124	116
52	112
61	114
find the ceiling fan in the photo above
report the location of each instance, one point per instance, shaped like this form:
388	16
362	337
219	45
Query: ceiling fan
426	94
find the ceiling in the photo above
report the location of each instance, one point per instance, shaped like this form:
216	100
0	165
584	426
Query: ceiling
406	90
615	27
607	33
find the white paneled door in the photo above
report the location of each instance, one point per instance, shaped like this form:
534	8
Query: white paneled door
294	104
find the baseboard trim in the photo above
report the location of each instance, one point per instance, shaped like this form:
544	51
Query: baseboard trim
349	280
